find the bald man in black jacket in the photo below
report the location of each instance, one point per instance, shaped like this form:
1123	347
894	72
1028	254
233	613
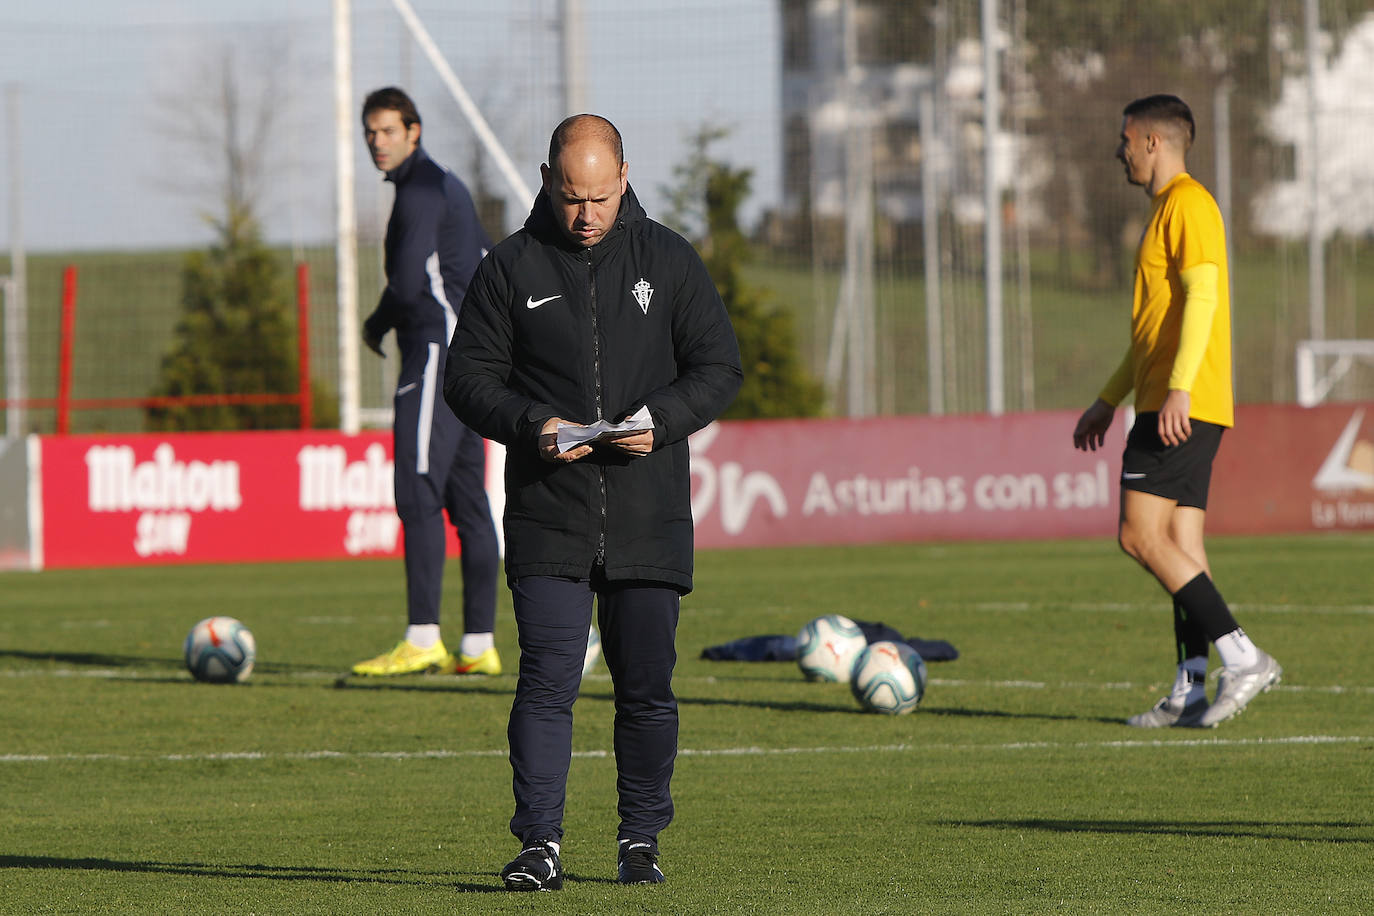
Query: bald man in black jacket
593	312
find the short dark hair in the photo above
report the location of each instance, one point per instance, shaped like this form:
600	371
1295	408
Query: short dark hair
583	124
1165	110
390	98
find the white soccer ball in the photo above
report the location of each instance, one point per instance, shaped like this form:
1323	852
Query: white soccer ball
827	647
220	650
593	651
889	677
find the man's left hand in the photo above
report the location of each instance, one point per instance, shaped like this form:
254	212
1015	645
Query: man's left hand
637	444
373	341
1174	425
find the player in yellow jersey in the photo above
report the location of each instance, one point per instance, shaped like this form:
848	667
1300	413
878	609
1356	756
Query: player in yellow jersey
1179	364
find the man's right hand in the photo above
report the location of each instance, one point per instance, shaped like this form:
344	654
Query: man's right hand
1092	427
548	443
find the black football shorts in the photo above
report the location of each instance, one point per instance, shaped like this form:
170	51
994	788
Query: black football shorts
1178	472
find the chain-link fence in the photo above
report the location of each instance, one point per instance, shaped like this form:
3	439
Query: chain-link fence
863	123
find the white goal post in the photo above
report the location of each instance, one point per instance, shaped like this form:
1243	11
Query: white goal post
351	413
1314	381
16	333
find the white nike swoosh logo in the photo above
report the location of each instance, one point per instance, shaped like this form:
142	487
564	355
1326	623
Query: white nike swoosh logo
404	388
1131	475
533	303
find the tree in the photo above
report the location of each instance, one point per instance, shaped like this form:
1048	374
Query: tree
236	334
234	337
705	204
224	124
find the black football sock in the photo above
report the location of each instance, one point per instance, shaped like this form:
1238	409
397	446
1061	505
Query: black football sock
1204	606
1189	639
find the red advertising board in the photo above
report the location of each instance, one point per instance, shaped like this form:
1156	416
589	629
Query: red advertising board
899	479
214	497
1290	468
1281	469
219	497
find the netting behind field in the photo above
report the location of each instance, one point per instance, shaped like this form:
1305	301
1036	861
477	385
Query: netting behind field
862	124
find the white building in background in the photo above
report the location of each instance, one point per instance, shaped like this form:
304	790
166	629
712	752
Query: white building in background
1345	132
830	91
827	94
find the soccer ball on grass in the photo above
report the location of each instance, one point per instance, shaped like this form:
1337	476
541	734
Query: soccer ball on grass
827	647
889	677
220	650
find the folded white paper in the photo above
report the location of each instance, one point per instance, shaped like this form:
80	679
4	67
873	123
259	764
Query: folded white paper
570	435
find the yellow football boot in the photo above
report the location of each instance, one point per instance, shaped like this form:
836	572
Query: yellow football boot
407	658
486	663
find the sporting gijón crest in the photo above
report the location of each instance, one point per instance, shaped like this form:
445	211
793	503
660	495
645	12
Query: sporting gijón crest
642	292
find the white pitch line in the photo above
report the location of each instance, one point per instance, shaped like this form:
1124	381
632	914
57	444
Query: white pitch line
131	674
1126	685
750	751
138	674
1305	608
1138	607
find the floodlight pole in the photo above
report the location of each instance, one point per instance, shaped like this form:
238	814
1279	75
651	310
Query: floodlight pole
853	328
346	225
930	226
992	211
16	336
1316	267
1221	108
574	73
1221	113
16	284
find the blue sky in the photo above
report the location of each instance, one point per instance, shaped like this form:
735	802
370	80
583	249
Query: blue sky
105	89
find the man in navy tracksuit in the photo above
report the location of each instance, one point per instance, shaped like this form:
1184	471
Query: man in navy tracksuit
433	244
591	312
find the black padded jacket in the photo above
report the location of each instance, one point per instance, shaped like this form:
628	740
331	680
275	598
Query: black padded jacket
549	329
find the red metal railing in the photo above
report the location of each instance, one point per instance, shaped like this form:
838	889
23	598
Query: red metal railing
64	359
65	403
303	340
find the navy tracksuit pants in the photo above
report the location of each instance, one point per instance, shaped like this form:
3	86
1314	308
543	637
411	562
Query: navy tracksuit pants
638	623
440	466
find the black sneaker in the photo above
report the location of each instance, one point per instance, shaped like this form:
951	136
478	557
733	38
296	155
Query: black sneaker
537	868
638	863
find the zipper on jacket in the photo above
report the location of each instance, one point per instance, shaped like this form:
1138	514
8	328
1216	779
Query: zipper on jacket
596	394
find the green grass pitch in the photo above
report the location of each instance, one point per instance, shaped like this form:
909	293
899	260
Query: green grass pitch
1015	788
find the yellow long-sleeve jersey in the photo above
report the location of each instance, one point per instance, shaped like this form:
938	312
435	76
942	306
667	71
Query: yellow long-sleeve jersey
1181	308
